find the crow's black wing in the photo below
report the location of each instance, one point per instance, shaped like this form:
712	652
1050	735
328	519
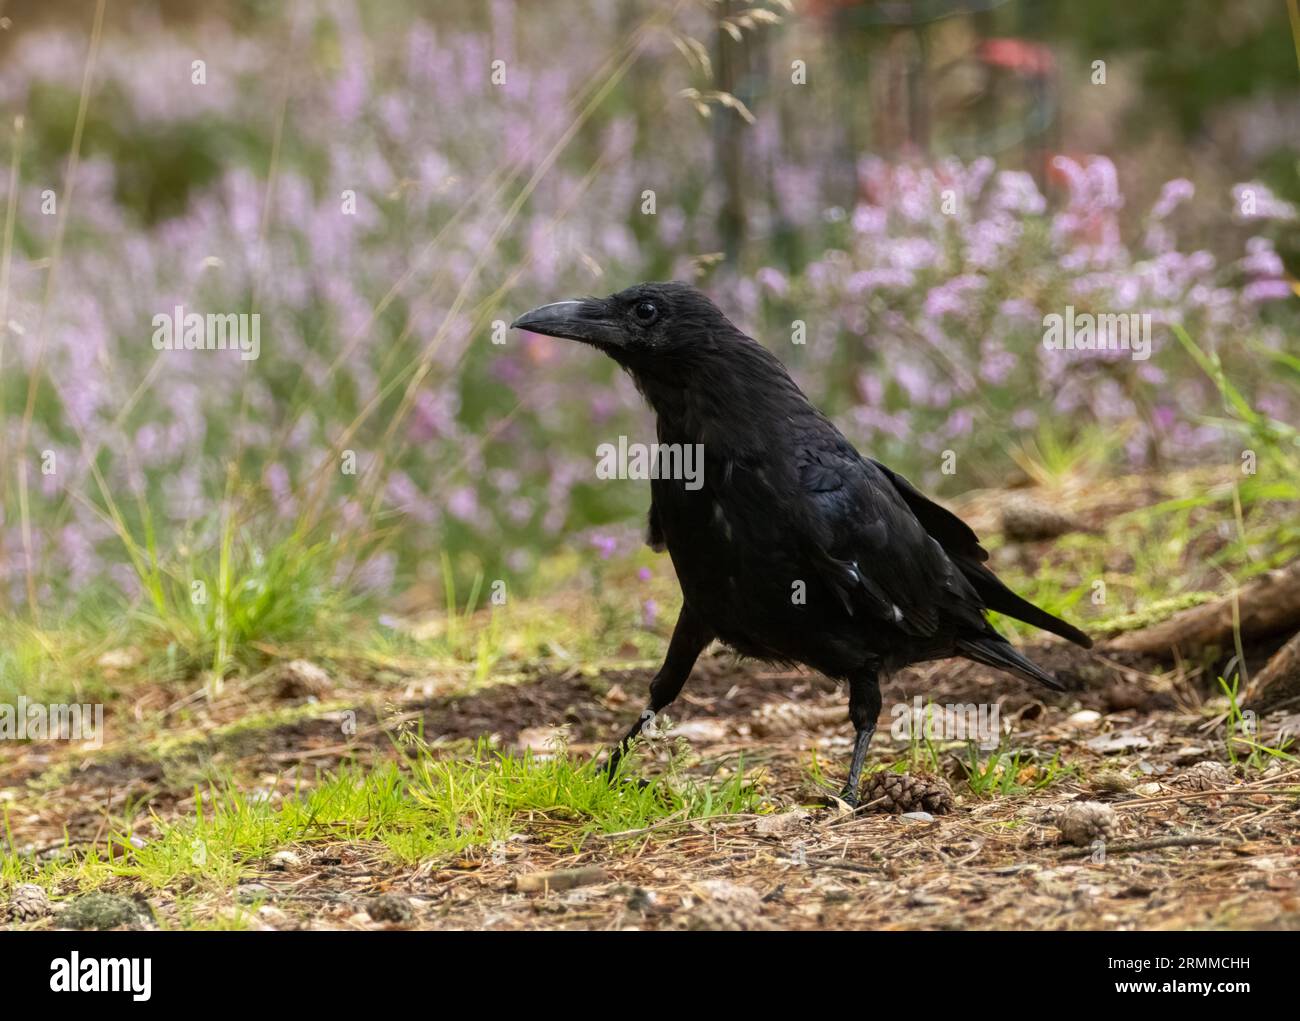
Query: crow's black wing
963	547
873	549
654	531
952	533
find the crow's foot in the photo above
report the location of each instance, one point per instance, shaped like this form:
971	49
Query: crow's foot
612	776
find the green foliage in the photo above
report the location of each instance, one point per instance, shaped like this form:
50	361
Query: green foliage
429	807
1007	773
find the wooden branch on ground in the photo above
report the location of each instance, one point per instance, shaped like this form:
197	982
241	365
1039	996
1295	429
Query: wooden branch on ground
1155	844
1267	605
1279	681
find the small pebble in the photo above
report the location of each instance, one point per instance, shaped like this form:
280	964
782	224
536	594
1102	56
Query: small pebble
273	916
246	893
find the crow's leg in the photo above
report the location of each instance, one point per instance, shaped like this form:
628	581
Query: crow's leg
864	710
690	636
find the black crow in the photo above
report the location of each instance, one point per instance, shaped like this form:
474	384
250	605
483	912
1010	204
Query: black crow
795	548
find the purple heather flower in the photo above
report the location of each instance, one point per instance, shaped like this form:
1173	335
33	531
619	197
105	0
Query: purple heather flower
1016	192
914	380
1256	201
462	503
773	280
1173	194
996	362
1018	308
869	220
950	298
1259	291
1261	260
959	423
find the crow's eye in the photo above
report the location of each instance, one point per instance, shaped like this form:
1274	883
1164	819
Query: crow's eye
645	312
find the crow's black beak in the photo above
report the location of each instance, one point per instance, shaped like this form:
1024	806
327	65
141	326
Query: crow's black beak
588	321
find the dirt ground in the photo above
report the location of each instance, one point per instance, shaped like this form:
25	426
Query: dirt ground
1180	851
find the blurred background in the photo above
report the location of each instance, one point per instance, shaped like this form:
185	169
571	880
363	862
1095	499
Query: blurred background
917	183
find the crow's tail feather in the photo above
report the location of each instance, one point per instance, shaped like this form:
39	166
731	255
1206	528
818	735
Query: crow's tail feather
995	652
998	597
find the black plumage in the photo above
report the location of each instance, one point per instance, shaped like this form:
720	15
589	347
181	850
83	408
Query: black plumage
795	547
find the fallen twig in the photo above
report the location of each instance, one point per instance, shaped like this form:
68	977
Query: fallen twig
1155	843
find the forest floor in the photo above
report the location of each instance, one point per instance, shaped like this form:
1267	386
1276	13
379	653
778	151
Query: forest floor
1186	848
329	790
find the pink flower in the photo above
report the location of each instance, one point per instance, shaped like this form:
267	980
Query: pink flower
462	504
1261	260
950	298
773	279
1173	194
1260	291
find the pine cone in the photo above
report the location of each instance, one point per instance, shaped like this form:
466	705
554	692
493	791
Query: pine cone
388	907
903	792
1082	822
28	902
1206	776
723	916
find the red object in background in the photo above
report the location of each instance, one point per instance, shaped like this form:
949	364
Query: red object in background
1054	175
1033	60
822	8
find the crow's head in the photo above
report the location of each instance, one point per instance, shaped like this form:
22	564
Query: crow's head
636	327
685	357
